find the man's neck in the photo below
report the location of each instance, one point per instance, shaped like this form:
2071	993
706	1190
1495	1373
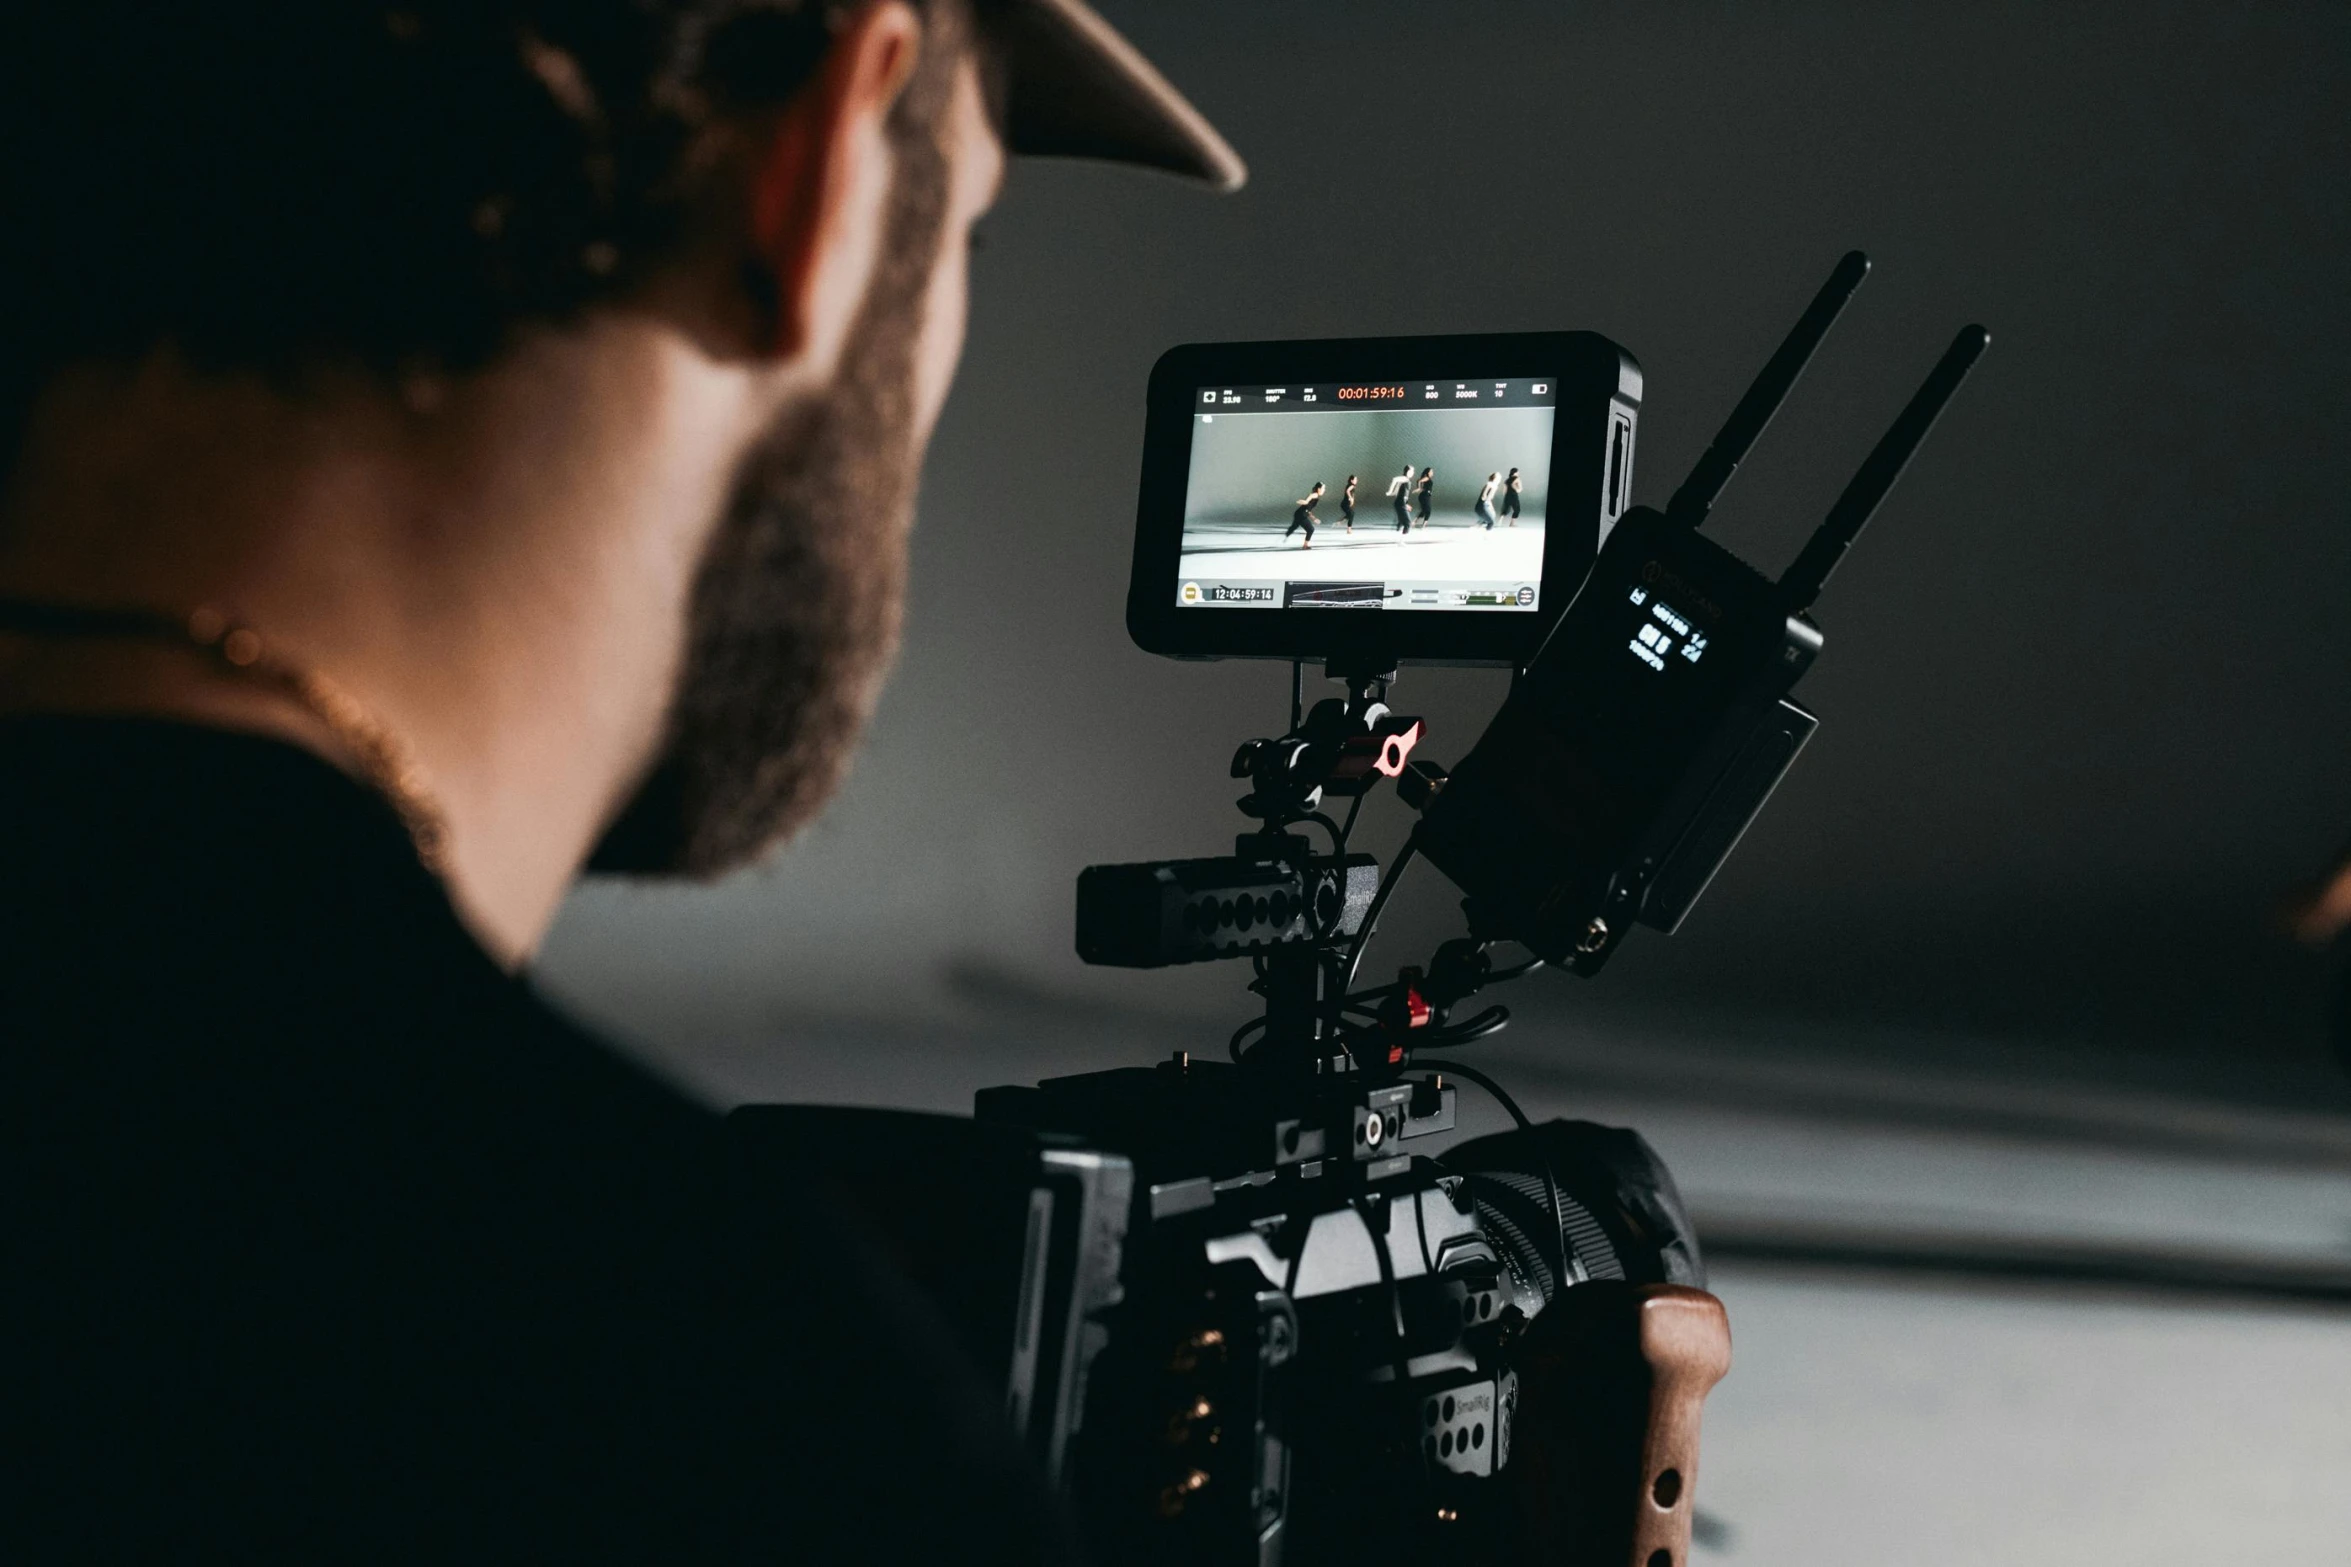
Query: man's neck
495	568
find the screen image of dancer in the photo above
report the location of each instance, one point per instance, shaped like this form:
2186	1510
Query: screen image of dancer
1397	495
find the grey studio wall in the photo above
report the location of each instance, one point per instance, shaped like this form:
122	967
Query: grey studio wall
2087	678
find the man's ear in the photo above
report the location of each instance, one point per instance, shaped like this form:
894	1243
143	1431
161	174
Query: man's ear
820	186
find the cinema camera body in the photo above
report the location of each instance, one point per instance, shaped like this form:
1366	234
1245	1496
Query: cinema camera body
1233	1313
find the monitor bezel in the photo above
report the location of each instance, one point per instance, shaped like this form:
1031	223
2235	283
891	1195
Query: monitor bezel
1592	374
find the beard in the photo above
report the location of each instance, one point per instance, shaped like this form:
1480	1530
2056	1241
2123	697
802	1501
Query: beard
797	603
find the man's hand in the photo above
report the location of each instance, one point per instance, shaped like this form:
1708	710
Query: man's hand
1612	1380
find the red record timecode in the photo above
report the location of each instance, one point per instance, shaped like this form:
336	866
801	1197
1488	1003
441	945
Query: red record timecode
1370	394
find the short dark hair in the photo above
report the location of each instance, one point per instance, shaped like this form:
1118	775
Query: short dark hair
264	183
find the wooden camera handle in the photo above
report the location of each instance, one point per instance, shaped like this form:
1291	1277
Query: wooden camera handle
1613	1379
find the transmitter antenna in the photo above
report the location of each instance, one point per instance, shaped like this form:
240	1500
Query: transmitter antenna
1803	581
1696	497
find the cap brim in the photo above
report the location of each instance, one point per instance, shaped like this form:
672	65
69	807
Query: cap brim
1077	89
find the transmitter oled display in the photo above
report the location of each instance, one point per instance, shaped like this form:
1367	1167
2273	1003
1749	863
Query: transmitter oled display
1401	495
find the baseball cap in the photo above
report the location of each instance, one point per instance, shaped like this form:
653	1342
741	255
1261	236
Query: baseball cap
1079	89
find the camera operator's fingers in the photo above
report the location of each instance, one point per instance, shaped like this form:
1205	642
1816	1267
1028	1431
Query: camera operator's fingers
1613	1379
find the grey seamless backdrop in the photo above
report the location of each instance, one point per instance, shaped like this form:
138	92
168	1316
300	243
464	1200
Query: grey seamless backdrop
1257	466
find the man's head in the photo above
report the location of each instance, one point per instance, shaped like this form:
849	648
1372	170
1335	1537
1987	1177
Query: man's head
555	374
797	602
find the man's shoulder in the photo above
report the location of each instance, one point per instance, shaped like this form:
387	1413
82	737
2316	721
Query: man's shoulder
375	1244
202	925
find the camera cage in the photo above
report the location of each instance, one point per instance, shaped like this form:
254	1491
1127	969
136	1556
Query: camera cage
1234	1318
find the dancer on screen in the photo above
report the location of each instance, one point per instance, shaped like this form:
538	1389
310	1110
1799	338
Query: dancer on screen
1424	498
1304	516
1510	489
1347	504
1485	505
1400	491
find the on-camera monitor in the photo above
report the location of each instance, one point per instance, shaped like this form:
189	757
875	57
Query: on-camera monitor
1373	499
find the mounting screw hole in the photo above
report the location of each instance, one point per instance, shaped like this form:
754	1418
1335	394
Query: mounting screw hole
1661	1558
1668	1489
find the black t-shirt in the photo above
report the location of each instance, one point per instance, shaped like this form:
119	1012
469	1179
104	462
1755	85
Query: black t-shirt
325	1237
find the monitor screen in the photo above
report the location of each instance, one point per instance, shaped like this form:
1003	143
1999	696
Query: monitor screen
1397	495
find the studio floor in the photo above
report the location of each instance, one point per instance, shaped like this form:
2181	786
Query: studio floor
1875	1417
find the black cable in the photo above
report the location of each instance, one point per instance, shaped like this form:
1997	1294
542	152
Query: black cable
1491	1021
1387	1260
1241	1033
1501	1095
1338	833
1550	1182
1298	1257
1348	830
1371	916
1515	971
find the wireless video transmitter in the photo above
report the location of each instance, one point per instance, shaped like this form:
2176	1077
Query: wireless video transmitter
1654	721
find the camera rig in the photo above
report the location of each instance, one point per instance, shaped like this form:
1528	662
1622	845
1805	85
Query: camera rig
1235	1316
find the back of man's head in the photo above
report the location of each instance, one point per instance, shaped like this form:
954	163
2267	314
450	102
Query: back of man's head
264	183
549	378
